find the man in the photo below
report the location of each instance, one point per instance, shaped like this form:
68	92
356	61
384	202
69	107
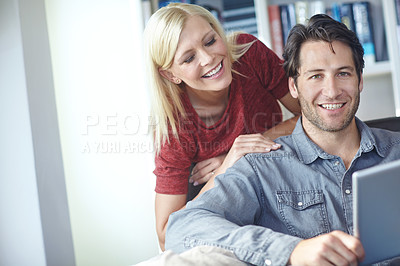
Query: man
294	206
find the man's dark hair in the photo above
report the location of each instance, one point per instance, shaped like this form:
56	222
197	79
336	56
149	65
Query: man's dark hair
320	27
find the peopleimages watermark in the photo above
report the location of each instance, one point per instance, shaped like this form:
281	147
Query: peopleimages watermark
120	147
134	124
132	133
116	134
117	124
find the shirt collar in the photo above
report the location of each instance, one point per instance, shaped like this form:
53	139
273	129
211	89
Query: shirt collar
368	140
308	151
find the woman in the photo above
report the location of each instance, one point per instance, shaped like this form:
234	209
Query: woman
212	97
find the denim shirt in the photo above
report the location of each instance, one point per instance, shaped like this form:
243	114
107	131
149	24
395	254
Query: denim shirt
264	205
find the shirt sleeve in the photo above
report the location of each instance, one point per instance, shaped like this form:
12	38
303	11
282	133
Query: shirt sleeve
172	166
267	66
226	216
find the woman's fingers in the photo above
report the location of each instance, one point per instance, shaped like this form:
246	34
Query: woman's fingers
252	143
204	170
255	142
243	144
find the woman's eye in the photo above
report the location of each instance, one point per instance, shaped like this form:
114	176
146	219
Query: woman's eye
189	59
211	42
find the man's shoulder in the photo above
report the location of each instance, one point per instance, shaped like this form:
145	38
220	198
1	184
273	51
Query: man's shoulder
287	149
387	142
386	137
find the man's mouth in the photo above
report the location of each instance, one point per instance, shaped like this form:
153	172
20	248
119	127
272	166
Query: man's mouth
332	106
214	71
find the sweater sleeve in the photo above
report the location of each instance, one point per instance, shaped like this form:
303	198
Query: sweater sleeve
172	166
266	65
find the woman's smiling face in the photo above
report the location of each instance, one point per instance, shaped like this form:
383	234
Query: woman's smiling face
201	60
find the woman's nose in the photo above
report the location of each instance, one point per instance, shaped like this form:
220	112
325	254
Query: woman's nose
205	57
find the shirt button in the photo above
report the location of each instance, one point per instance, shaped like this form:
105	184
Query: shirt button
347	191
300	203
337	163
268	262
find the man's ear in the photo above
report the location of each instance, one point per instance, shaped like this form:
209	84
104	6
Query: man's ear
293	88
361	84
169	76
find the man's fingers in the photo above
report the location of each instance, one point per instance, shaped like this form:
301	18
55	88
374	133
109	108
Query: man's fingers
352	243
334	248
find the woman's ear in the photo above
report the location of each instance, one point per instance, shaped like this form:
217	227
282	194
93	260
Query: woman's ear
293	88
169	76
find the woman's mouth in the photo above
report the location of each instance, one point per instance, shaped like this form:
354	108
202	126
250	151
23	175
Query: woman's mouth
213	72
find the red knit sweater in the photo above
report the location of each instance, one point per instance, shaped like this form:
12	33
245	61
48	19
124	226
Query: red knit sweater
252	108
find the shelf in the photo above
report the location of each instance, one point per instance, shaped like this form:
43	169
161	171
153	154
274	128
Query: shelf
377	68
382	75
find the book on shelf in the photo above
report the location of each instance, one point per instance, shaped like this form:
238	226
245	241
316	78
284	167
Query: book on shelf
363	29
288	19
234	15
275	28
240	16
301	11
355	15
346	15
162	3
316	7
333	11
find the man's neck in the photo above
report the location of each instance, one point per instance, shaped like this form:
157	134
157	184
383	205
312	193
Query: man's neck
344	143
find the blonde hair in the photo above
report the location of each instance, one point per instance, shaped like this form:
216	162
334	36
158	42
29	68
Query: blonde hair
161	40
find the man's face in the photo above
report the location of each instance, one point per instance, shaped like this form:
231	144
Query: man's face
327	86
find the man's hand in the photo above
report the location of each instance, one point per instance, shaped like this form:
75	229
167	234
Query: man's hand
334	248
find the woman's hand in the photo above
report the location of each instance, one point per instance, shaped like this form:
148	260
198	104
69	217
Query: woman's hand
251	143
206	169
243	144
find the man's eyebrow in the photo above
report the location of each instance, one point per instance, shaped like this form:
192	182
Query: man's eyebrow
346	67
313	70
350	68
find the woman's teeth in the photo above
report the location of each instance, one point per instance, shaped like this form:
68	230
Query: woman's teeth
214	71
332	106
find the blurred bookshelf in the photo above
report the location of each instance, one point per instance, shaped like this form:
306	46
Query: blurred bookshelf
382	48
383	66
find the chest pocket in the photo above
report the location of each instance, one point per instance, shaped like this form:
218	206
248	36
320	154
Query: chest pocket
304	213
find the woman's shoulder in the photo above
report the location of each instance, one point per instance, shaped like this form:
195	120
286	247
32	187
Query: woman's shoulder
242	38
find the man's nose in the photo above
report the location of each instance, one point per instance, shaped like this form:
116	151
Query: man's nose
331	88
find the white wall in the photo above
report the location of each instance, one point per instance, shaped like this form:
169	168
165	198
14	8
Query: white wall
377	98
103	108
20	226
34	223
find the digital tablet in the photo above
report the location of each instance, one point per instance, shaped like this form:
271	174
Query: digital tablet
376	211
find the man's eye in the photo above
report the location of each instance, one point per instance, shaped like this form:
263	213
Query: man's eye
190	59
316	76
211	42
344	74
